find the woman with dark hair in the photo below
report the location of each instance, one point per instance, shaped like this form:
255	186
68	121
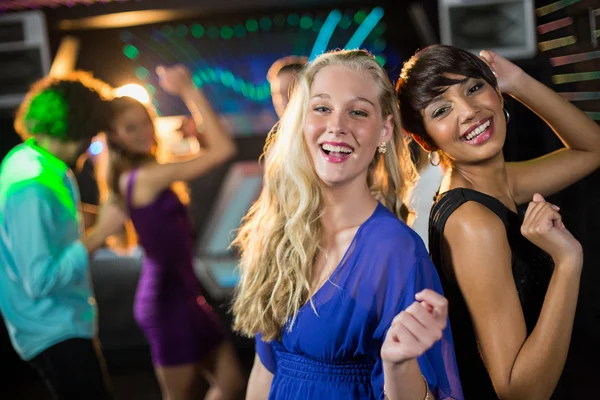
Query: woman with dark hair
185	336
512	304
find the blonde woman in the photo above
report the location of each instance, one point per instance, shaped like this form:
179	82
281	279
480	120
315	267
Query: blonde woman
339	292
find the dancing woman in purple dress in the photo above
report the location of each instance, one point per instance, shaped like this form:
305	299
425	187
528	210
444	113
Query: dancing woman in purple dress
185	336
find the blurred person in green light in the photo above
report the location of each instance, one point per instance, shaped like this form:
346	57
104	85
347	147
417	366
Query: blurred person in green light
46	295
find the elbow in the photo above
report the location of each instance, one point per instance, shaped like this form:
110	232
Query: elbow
230	151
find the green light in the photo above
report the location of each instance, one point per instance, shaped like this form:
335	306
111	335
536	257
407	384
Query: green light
360	16
239	31
213	32
238	84
381	59
317	25
245	91
131	51
306	22
181	30
142	73
167	30
150	88
379	29
293	19
265	23
197	81
197	30
47	114
226	32
252	25
212	75
345	22
227	79
279	20
379	45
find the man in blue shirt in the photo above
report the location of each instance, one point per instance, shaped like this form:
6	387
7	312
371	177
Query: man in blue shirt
46	295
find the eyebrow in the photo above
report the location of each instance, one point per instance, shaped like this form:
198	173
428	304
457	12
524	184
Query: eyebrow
461	82
326	96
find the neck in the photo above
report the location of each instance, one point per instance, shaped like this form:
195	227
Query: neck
346	206
54	147
489	177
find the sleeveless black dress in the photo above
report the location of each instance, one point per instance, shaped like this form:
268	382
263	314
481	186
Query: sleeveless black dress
531	267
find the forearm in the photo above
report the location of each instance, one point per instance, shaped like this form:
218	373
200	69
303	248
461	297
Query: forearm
215	134
572	126
93	239
540	361
404	381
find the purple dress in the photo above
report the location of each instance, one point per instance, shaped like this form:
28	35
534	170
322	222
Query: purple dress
179	325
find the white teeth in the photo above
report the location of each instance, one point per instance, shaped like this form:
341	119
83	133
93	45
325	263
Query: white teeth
480	129
336	149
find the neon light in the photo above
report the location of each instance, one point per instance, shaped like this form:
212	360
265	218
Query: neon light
574	58
325	34
550	8
364	29
577	77
552	26
556	43
580	96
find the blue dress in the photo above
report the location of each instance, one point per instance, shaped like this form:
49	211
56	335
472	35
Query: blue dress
334	353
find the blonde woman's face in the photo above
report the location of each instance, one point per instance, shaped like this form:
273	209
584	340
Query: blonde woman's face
343	126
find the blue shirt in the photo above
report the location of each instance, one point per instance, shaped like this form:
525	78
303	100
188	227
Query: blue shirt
45	287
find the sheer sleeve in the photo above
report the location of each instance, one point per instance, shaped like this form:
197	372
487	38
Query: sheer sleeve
265	353
403	269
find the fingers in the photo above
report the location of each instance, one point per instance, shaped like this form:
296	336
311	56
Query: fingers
435	300
540	218
538	197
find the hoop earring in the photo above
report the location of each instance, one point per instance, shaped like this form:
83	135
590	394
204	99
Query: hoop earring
507	115
382	148
432	161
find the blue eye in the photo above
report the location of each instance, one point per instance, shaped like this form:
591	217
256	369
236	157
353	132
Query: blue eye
321	109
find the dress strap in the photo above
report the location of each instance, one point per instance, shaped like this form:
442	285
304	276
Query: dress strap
130	183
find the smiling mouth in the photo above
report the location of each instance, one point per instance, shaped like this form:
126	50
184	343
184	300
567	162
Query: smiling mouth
475	133
336	151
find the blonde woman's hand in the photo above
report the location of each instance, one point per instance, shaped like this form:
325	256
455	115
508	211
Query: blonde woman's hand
416	329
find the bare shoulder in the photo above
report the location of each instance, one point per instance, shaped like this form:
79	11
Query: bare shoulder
475	222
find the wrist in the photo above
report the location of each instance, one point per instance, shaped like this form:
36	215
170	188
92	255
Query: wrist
188	90
520	83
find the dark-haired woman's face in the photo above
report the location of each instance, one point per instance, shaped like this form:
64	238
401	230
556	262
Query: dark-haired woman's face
467	121
134	130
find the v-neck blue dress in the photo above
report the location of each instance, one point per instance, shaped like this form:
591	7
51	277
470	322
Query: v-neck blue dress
334	353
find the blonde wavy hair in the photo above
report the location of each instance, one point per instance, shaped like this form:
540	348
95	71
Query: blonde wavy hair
281	234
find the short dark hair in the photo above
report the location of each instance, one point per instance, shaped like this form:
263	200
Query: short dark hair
423	78
289	63
70	108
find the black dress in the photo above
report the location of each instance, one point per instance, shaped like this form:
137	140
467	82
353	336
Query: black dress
531	267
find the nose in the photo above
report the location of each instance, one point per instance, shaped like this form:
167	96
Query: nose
468	110
337	123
